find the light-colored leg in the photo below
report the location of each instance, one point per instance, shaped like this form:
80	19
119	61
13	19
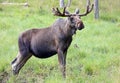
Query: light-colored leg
19	62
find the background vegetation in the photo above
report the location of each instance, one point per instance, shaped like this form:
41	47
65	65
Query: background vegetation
93	57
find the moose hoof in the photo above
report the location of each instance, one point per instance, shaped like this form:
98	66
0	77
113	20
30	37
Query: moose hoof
14	69
15	72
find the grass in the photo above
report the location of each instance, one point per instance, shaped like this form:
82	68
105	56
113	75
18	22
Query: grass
93	56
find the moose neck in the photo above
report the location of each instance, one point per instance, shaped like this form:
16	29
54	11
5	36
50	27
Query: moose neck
62	27
69	31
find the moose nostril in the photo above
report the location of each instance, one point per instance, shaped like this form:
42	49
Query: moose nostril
78	24
82	25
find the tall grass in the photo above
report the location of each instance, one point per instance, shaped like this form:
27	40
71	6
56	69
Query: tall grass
93	56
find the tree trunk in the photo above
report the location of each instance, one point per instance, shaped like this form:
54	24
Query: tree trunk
61	3
96	9
88	2
69	3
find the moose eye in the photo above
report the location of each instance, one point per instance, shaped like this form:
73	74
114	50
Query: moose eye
71	19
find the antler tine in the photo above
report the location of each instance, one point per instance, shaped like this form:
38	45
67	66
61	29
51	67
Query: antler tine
57	12
87	10
91	8
64	10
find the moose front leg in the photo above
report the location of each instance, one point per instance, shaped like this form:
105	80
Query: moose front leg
62	61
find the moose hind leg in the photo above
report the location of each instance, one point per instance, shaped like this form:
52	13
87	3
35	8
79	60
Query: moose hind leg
19	62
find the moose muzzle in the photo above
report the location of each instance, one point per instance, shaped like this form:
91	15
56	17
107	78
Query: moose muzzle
80	25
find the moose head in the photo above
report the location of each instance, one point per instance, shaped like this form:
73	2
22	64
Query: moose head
74	19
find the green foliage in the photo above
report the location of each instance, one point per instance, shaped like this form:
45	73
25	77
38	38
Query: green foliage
93	56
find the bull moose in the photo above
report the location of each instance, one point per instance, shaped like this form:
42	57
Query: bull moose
46	42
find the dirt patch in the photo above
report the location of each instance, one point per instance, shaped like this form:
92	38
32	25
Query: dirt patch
3	77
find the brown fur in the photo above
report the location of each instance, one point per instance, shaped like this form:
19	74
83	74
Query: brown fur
46	42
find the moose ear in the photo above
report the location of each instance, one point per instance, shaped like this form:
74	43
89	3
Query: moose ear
77	11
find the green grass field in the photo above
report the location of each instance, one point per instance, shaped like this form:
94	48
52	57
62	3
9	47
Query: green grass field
93	57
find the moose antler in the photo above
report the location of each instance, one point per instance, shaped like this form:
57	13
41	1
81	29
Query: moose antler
88	10
57	12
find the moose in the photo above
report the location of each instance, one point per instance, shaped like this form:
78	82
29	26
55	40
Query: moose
46	42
